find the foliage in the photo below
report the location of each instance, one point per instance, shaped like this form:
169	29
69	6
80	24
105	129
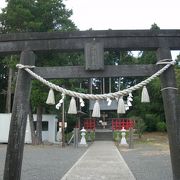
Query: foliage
177	71
155	27
11	61
152	112
140	125
35	15
38	95
90	136
151	120
3	84
161	126
117	136
52	15
147	57
40	16
68	136
71	122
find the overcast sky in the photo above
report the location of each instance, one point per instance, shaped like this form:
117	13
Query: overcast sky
123	14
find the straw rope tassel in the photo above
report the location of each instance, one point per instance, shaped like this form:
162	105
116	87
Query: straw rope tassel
121	106
50	99
72	106
96	109
145	96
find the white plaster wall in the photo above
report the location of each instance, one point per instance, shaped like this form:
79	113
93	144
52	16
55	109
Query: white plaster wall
4	127
49	135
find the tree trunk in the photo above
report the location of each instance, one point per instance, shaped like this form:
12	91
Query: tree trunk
39	124
32	128
8	97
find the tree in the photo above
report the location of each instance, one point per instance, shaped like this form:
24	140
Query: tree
10	63
152	112
3	84
35	15
177	70
39	16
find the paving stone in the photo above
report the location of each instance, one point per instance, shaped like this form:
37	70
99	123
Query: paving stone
44	162
102	161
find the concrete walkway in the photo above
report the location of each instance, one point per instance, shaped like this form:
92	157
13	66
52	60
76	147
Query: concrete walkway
102	160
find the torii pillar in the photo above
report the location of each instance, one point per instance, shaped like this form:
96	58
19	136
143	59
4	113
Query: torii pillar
14	153
171	103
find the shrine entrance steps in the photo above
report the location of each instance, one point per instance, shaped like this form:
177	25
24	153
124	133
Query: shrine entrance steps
103	135
102	160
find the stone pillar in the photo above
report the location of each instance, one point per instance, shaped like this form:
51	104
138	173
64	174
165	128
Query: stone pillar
83	138
123	139
14	154
172	111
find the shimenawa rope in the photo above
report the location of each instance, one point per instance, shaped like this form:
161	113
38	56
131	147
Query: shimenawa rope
114	95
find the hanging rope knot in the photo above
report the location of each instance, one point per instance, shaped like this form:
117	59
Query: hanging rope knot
82	104
60	101
109	101
21	66
166	61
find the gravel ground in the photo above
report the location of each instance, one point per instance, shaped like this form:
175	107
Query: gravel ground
149	160
46	162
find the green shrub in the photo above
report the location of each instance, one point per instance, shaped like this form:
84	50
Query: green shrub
140	125
161	126
115	135
151	121
68	136
71	123
90	136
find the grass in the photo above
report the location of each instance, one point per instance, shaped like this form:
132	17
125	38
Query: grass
153	139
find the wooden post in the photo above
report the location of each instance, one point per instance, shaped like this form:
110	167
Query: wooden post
172	111
119	83
131	138
76	134
90	86
14	154
110	85
103	86
9	89
62	125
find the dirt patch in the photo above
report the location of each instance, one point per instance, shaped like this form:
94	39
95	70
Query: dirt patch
155	153
155	141
155	137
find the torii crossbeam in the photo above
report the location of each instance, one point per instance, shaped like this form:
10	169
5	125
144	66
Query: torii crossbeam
162	41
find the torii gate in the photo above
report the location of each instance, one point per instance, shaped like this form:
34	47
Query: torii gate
27	43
